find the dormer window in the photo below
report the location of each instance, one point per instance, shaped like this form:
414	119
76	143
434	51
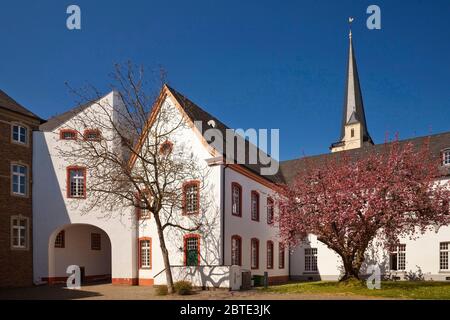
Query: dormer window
68	134
446	157
91	135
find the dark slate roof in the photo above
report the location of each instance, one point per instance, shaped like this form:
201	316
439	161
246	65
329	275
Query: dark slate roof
195	113
6	102
359	114
56	121
291	168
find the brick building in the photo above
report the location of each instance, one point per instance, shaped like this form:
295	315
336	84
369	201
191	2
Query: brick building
16	257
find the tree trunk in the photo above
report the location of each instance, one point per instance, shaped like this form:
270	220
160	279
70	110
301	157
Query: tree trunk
352	266
165	254
351	272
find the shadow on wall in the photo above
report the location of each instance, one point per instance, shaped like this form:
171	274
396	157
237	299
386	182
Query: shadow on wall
49	209
84	245
51	215
204	276
375	256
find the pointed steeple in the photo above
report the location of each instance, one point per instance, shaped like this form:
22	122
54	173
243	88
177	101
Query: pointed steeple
353	111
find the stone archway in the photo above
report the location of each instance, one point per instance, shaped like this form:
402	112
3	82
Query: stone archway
84	245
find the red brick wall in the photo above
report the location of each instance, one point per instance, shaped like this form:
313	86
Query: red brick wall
16	266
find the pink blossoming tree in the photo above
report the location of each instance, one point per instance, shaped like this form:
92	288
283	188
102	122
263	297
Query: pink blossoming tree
349	200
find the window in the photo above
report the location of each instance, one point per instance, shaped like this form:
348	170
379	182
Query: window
269	210
443	255
236	250
310	259
280	256
191	196
19	179
145	253
19	134
91	135
192	250
96	241
60	241
352	133
19	232
142	210
255	253
269	255
76	182
446	157
236	199
166	148
398	258
67	134
255	205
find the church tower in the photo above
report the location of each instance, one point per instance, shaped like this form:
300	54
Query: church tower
354	133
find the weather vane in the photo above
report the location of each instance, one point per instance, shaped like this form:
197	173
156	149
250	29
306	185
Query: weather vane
350	20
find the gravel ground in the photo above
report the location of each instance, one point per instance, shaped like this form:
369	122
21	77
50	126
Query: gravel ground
115	292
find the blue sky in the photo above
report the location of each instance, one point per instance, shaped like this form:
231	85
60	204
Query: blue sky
259	64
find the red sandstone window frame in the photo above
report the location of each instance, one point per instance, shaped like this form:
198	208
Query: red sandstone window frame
185	239
256	241
239	258
138	210
70	168
184	204
62	131
90	131
256	194
140	241
269	244
166	144
239	187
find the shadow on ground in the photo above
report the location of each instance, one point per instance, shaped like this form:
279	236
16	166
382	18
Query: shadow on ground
46	293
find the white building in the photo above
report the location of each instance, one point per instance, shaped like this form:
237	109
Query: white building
126	250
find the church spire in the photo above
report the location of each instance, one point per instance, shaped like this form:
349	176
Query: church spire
352	135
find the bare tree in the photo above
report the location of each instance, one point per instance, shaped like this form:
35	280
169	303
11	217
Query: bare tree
136	158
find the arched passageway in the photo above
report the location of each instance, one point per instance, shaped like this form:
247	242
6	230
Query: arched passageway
84	245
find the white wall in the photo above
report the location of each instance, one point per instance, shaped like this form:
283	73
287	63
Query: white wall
329	264
53	210
210	207
77	251
422	253
247	229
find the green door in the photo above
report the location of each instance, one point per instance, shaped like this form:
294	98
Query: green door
192	253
